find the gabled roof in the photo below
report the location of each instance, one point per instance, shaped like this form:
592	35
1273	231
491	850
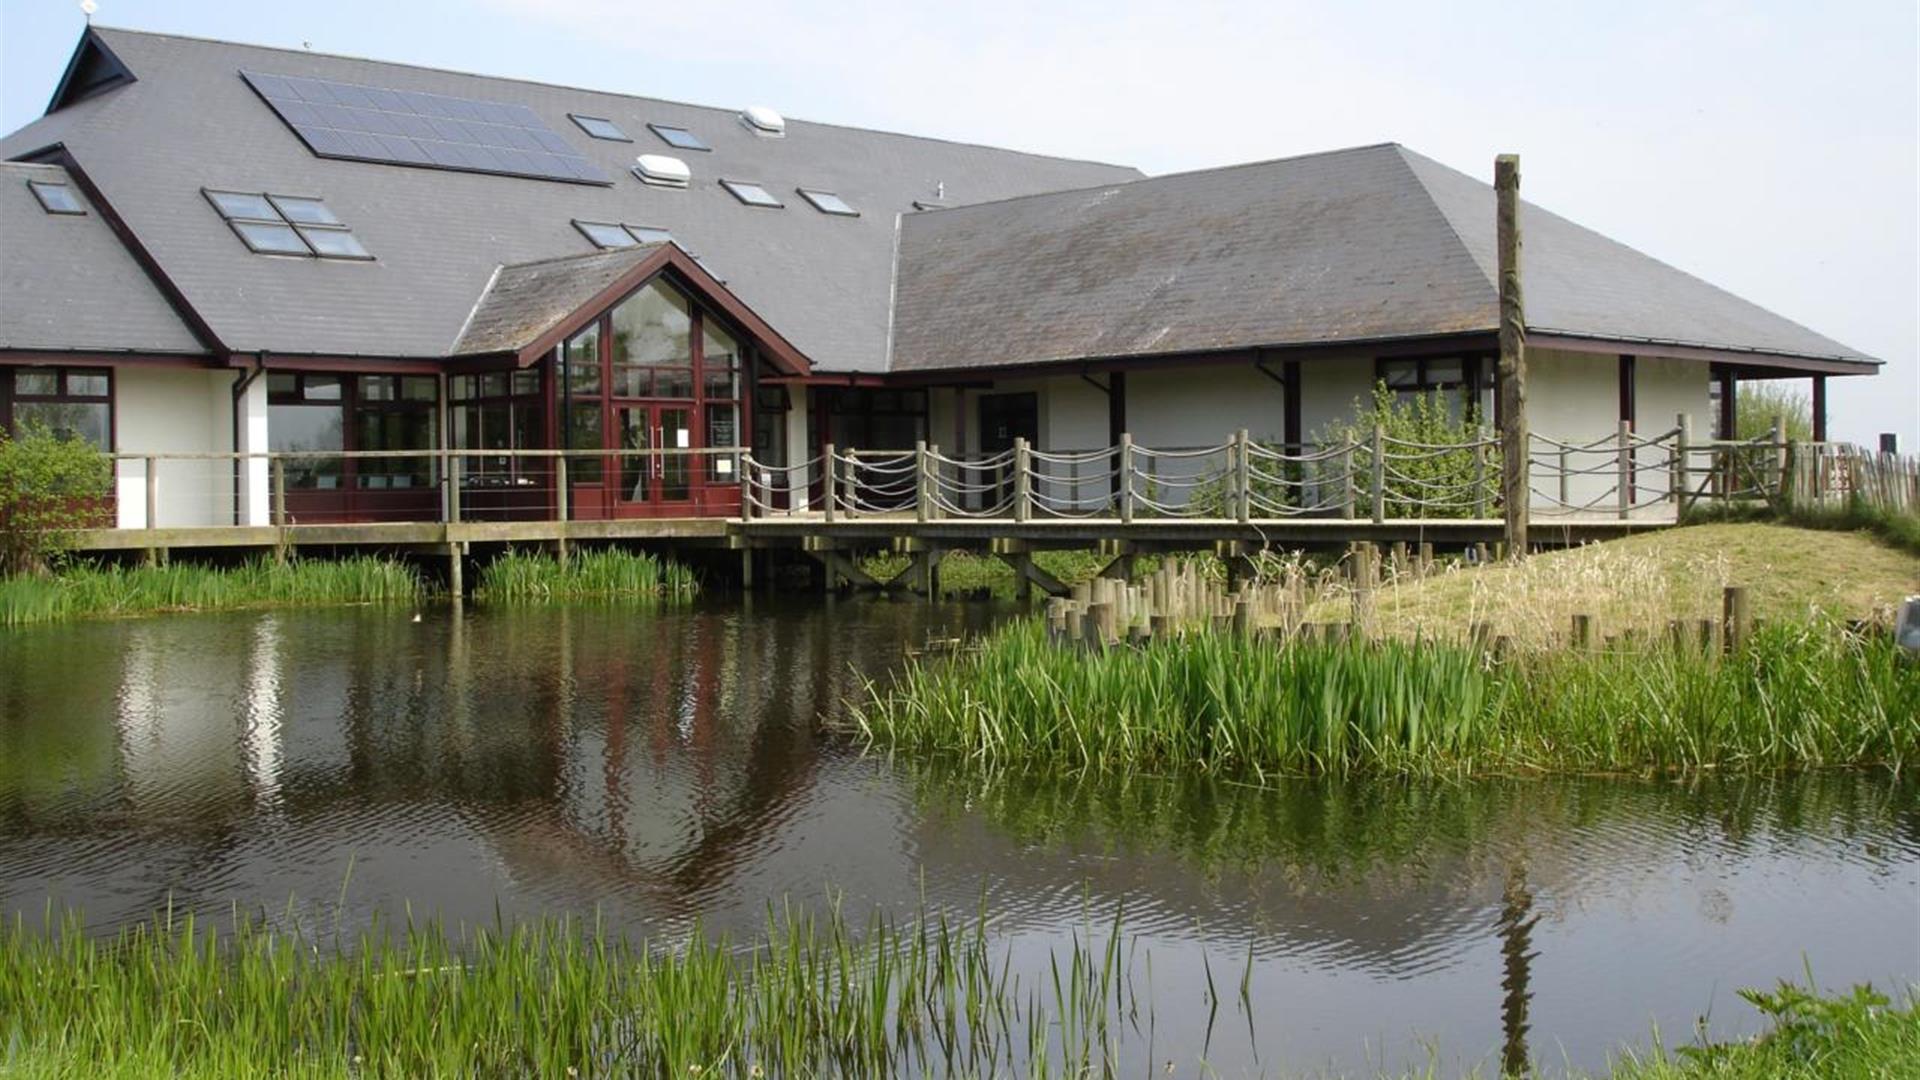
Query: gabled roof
1370	244
527	307
191	121
68	284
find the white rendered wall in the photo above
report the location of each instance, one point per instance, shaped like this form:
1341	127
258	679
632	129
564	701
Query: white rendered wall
179	410
799	447
256	488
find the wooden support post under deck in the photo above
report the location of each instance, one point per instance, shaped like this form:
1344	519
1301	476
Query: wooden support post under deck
1820	408
456	573
1736	617
1516	456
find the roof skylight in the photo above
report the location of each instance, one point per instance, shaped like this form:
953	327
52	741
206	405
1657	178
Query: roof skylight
679	138
752	194
608	235
286	225
56	198
600	127
662	170
763	121
605	234
828	203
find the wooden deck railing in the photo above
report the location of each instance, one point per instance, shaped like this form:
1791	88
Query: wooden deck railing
1625	476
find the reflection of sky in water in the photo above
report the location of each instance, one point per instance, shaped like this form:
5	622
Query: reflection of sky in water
666	769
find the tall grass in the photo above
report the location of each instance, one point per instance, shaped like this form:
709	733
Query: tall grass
84	590
177	997
182	997
1797	695
522	576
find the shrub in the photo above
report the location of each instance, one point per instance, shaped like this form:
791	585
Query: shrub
1420	482
49	486
1757	404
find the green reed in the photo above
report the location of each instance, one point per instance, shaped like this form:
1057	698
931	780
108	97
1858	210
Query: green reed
1796	695
180	997
523	576
81	590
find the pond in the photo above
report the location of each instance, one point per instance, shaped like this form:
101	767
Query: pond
675	769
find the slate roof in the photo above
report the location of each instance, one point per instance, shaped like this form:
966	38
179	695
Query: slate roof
190	121
1371	243
68	284
1038	259
522	301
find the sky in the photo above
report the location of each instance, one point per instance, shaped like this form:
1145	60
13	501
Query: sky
1769	148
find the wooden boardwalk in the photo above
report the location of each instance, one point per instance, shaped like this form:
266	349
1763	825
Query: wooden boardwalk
811	531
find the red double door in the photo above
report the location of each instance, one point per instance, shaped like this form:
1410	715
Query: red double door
658	481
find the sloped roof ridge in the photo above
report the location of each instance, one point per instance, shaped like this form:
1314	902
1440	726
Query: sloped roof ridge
610	255
1207	171
1543	218
720	109
1491	273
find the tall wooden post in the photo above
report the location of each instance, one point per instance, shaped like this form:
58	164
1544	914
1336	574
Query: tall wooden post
1514	457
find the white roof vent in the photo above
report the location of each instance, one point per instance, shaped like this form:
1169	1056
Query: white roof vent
662	170
763	121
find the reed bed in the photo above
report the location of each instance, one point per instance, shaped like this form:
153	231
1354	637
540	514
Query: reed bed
533	577
1796	695
82	590
813	997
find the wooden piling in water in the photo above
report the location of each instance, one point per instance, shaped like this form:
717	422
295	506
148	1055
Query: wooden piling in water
1737	616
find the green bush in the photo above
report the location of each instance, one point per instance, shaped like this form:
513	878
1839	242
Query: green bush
1421	483
1756	404
49	486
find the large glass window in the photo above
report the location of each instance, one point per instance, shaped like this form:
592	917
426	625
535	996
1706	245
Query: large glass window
720	377
395	412
638	380
652	346
581	382
1464	384
497	412
72	403
306	416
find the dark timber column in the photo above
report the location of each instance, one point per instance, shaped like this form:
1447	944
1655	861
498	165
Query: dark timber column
1819	408
1116	425
1514	457
1626	390
1728	417
1628	418
1290	378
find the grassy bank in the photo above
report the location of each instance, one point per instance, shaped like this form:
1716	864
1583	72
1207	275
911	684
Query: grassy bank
534	577
1803	694
966	574
179	998
81	591
1641	582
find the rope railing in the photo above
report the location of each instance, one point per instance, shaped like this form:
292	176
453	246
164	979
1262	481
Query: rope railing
1373	478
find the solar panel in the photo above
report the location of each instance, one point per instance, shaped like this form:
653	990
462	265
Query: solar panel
406	127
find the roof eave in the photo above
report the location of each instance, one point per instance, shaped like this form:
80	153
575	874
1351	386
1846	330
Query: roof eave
1745	356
